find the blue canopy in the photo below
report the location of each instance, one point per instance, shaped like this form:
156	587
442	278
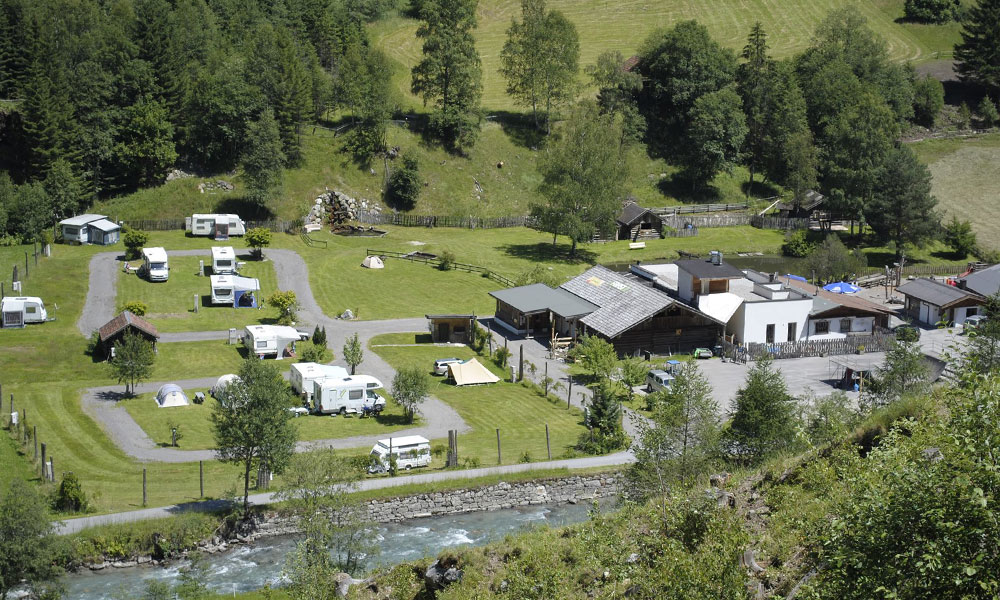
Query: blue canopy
842	287
795	277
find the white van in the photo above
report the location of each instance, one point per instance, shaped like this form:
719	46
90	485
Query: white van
304	374
154	264
410	451
658	381
219	227
223	260
350	395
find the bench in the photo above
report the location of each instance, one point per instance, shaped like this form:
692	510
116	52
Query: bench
636	245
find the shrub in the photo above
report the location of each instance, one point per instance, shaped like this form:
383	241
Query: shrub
316	353
258	238
960	237
796	244
136	307
404	185
447	260
988	112
501	356
286	303
134	240
69	496
928	100
931	11
964	116
525	457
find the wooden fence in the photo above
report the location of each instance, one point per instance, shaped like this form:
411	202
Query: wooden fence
667	211
276	225
767	222
405	220
877	342
437	262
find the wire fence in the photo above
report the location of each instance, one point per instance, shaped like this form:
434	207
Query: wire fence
435	261
407	220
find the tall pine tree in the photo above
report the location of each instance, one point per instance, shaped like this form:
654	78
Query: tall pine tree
977	57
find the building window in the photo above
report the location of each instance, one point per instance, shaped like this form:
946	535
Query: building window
845	325
822	327
769	336
792	330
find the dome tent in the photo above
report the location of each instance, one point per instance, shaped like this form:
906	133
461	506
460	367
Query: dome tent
171	394
373	262
221	383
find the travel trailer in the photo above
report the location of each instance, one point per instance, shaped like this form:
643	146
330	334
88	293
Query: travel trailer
19	311
219	227
410	451
304	374
155	266
223	260
268	340
234	290
90	229
349	395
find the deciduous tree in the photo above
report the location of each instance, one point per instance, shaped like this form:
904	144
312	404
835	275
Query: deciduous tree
263	160
133	361
287	305
832	261
617	89
258	238
251	422
405	185
597	356
904	372
716	130
928	100
410	389
583	174
26	539
354	352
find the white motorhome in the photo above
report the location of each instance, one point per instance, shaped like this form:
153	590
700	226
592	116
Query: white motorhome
234	290
410	451
155	266
223	260
268	340
19	311
304	374
349	395
215	226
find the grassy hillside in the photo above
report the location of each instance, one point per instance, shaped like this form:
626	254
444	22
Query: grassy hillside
623	25
966	181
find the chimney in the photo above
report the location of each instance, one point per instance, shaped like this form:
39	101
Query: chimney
716	257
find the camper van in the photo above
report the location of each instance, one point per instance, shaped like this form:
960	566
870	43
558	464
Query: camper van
19	311
268	340
223	260
410	451
234	290
349	395
658	381
219	227
154	264
304	374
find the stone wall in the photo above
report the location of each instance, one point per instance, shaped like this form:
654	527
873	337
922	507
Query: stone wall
563	490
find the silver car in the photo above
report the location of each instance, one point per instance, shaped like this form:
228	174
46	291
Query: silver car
441	365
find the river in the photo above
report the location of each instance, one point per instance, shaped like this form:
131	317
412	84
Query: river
250	567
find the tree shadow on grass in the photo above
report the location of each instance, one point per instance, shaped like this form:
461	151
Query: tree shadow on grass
949	255
520	128
546	252
393	420
760	189
245	208
680	188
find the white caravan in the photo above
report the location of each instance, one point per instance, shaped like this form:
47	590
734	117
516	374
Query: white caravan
155	266
234	290
349	395
219	227
223	260
410	451
267	340
304	374
19	311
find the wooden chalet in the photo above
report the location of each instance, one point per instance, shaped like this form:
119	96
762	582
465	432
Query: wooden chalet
638	223
451	328
115	329
811	201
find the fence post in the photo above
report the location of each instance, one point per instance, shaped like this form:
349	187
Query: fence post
43	461
144	486
520	363
548	448
52	470
201	479
34	436
546	381
196	302
499	461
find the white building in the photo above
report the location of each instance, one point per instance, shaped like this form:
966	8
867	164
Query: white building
90	229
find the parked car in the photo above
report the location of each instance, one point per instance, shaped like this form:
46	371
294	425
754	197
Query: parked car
441	365
702	353
973	323
658	381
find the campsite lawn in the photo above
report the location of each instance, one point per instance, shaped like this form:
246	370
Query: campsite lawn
171	302
195	422
966	181
520	413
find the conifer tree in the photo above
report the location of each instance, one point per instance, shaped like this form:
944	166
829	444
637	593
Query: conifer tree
976	57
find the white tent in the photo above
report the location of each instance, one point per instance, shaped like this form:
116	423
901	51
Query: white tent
221	383
171	395
471	372
373	262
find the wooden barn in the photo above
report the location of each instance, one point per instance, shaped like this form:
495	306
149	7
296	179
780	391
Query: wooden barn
451	328
638	223
115	329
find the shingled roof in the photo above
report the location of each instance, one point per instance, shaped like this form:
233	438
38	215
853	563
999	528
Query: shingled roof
623	302
632	214
123	320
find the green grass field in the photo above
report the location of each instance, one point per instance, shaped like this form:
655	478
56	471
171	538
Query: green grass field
966	181
519	413
171	303
195	422
623	25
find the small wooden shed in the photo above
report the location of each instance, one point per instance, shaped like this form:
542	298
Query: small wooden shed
451	328
637	223
115	329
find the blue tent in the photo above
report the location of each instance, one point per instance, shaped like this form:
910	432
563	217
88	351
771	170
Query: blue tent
842	287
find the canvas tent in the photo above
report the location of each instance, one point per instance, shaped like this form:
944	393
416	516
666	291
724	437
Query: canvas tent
471	372
170	395
373	262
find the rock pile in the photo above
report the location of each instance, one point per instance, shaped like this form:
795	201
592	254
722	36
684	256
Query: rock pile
178	174
337	207
211	186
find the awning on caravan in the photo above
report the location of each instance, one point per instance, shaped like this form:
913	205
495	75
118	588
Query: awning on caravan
471	372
